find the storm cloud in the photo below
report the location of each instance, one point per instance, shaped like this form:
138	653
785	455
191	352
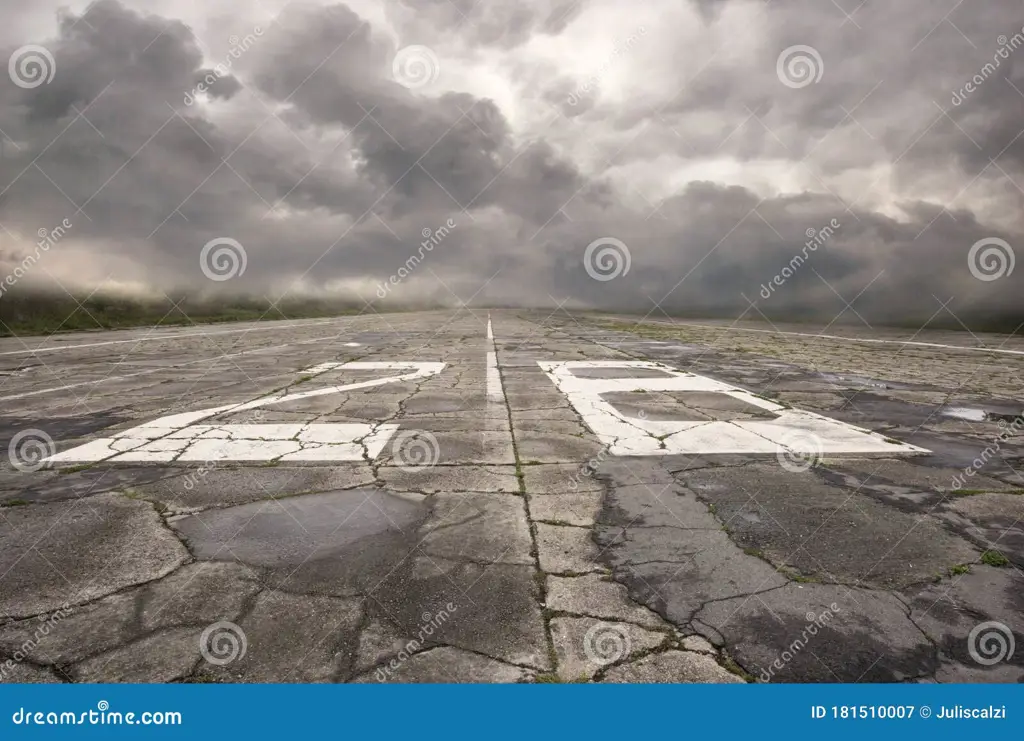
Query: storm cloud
849	161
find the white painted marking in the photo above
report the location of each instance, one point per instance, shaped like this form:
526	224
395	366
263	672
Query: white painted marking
178	437
793	430
841	338
157	338
108	379
495	392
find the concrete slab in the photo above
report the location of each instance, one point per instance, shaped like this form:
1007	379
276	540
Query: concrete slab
579	509
480	528
671	667
566	550
585	646
597	596
73	552
166	656
289	638
450	665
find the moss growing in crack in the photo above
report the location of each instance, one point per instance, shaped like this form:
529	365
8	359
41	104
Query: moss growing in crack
796	576
14	503
75	469
994	558
732	667
548	678
960	569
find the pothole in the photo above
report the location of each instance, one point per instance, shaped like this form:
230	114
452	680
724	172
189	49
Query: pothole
298	529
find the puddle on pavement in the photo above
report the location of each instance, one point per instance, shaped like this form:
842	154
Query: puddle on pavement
295	530
965	413
860	382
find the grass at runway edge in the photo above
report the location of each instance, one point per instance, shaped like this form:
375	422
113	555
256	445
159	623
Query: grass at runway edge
43	314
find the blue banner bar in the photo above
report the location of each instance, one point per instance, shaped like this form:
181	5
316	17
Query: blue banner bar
511	711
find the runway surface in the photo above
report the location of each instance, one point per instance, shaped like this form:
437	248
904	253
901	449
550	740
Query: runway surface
464	496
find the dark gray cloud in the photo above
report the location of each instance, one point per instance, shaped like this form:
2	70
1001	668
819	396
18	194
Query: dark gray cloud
295	137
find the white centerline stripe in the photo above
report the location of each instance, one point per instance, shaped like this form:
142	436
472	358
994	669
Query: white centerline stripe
495	393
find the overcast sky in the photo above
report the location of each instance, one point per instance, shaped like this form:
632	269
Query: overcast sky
701	140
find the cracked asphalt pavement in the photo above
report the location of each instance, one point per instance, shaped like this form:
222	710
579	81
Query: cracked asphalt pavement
453	496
